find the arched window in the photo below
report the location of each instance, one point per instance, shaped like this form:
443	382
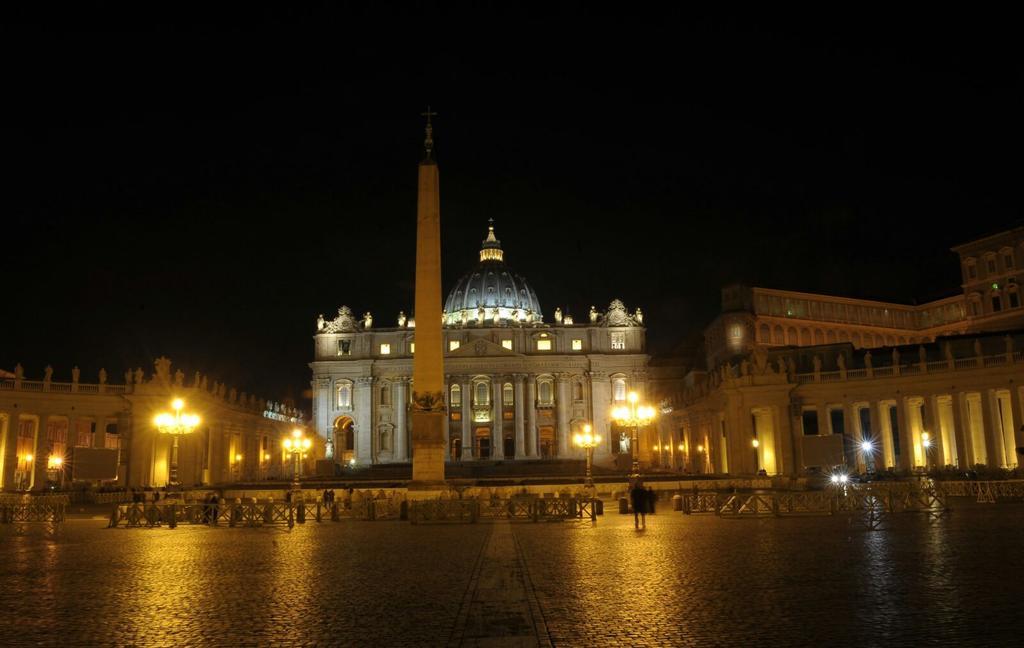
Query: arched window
764	334
997	302
577	391
619	390
1013	297
506	394
385	395
343	394
481	393
545	392
456	397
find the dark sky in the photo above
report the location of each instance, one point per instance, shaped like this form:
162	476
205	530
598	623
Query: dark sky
203	186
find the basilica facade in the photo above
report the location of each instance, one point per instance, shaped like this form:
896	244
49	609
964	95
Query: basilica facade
516	386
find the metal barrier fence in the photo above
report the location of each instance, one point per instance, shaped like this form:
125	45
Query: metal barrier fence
517	507
985	492
33	512
873	503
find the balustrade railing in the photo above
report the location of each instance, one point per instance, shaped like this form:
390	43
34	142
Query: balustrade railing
911	368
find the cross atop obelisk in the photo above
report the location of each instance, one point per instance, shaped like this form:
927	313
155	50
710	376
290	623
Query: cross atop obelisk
428	142
428	410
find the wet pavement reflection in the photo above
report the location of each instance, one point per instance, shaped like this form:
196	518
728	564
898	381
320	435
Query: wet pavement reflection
683	581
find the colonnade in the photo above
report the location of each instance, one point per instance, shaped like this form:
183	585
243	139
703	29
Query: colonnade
908	430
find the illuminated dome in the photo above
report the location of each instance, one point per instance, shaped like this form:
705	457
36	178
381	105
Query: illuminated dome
504	297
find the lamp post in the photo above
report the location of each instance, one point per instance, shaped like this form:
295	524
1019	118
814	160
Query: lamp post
867	446
55	464
296	444
588	442
176	425
634	416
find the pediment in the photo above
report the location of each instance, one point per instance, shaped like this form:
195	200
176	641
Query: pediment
480	347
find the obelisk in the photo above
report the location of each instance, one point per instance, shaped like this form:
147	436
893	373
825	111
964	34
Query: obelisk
428	410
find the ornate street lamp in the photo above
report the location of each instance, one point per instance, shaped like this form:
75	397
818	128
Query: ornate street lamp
634	416
588	442
297	445
176	425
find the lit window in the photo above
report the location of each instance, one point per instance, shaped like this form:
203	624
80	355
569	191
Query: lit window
618	340
619	390
344	347
507	344
412	347
506	394
453	344
481	393
385	349
545	394
344	394
544	345
456	398
577	345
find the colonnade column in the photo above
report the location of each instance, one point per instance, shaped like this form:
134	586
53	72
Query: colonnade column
993	450
879	433
906	438
401	411
39	458
562	413
519	422
10	458
856	434
497	420
364	420
531	416
937	456
1018	424
467	419
964	453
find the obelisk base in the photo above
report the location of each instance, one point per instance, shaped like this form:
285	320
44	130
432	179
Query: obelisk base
428	449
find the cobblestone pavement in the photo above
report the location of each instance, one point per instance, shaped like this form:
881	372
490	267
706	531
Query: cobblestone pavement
684	581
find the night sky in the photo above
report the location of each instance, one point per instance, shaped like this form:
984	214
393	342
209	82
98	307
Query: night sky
203	192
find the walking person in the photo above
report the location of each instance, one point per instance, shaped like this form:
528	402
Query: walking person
639	500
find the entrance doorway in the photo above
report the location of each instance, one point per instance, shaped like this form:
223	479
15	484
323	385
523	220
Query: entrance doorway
344	440
455	448
546	441
483	443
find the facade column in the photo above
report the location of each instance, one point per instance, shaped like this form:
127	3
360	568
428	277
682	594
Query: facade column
937	455
520	423
601	403
531	416
562	414
10	458
993	449
467	419
1018	424
497	421
964	451
906	458
364	420
401	406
